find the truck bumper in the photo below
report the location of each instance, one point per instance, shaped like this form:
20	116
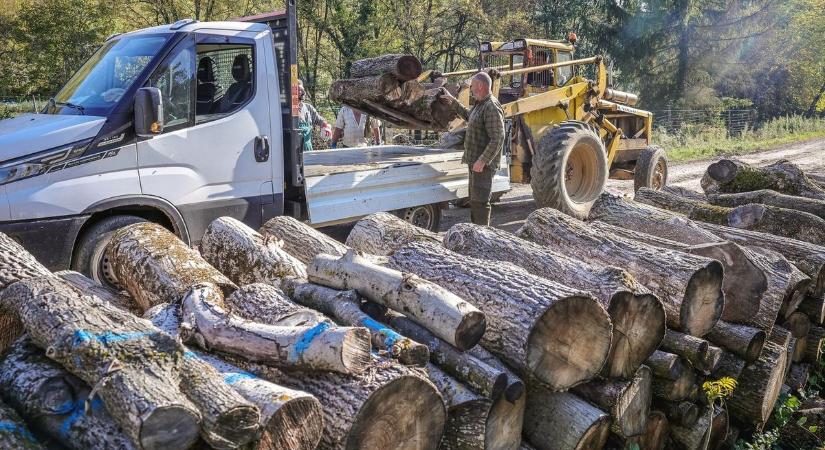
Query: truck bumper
51	241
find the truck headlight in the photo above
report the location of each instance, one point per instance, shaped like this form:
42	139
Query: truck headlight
39	163
20	171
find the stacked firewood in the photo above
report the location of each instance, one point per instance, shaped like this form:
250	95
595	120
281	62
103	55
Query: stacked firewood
388	87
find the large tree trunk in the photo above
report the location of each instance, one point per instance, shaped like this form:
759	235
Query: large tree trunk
484	378
445	314
376	88
467	413
402	67
703	356
749	273
289	419
14	434
388	406
245	256
771	198
89	286
638	317
727	175
56	402
743	341
559	335
301	240
344	308
690	287
15	264
156	267
383	233
320	347
628	402
561	421
788	223
132	364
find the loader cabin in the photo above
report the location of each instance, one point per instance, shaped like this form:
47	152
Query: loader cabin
636	125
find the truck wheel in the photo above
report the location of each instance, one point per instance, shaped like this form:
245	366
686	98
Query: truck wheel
569	169
90	253
651	169
424	216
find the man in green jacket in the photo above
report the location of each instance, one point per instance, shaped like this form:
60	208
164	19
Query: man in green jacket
482	144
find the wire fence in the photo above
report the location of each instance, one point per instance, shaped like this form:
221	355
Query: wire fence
734	120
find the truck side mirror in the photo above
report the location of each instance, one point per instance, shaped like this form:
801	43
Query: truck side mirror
148	112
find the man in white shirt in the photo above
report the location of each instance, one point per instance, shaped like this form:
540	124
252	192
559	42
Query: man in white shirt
350	127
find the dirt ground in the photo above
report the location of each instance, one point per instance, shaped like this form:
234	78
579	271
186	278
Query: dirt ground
509	214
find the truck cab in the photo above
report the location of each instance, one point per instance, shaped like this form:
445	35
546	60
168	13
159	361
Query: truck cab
183	123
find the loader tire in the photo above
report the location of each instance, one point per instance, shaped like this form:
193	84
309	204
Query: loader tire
651	169
569	169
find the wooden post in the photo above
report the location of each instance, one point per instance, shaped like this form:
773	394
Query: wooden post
383	233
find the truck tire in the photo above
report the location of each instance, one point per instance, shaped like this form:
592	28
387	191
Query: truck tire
569	169
424	216
651	169
90	251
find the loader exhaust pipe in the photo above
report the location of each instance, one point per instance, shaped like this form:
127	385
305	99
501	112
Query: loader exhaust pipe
621	97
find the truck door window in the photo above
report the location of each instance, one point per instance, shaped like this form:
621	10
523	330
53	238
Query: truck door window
565	73
174	79
225	81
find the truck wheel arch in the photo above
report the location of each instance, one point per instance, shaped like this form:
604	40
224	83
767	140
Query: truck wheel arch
153	209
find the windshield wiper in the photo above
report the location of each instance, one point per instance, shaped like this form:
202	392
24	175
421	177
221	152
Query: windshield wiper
80	108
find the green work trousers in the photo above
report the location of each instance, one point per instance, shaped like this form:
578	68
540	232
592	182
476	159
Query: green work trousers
481	186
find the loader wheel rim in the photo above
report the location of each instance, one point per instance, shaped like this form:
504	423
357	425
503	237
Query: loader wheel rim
659	175
581	174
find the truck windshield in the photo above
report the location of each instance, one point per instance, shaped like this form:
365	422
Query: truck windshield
97	87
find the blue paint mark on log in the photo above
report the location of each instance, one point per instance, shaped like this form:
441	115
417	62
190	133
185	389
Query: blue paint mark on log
303	344
78	412
232	378
376	327
11	427
81	336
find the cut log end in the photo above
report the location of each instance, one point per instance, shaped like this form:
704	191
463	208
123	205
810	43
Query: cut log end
155	431
704	301
514	390
638	328
562	345
470	330
723	170
303	417
356	348
407	414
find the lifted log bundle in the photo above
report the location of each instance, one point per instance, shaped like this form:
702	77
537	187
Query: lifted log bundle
690	287
402	67
15	264
702	356
770	198
538	327
245	256
560	421
134	366
156	267
383	233
767	219
322	346
628	402
445	314
388	406
301	240
56	402
730	176
14	434
344	308
743	341
638	317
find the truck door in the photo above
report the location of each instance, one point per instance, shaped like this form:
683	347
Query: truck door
213	158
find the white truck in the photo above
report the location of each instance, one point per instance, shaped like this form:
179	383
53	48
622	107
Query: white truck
184	123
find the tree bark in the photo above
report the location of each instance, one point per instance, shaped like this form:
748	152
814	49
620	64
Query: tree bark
798	324
691	437
245	256
703	356
269	305
655	436
134	367
156	267
320	347
638	317
559	335
344	308
445	314
383	233
685	192
515	387
726	176
388	406
301	240
693	209
683	414
467	413
743	341
377	88
816	338
675	390
771	198
666	365
690	287
15	264
87	285
289	419
402	67
14	433
814	308
487	380
56	402
505	424
628	402
798	376
560	420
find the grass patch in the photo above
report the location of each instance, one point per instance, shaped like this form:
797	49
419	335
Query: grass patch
707	141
